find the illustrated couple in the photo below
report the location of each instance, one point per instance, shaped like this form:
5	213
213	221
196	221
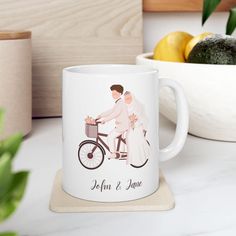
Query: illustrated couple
130	118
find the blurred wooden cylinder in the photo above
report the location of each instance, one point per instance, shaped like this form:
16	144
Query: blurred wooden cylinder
16	82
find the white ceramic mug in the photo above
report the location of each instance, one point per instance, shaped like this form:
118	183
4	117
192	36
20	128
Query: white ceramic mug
110	131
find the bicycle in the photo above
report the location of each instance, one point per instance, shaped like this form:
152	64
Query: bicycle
91	153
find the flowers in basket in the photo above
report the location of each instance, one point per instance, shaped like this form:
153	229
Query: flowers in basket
90	121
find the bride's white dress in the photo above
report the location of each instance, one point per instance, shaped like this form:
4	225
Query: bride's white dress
137	146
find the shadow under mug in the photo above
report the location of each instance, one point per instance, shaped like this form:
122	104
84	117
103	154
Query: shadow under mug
111	131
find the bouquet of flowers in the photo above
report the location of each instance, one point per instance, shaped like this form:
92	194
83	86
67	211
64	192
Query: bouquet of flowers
133	118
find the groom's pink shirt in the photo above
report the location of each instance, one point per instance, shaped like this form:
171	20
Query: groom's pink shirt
119	112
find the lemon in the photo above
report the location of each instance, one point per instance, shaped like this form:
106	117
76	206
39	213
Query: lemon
194	41
172	47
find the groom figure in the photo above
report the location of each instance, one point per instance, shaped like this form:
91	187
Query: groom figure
119	113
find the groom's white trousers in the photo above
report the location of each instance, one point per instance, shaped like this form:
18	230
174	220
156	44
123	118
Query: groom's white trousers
111	140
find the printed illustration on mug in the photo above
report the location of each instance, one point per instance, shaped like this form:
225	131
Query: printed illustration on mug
126	141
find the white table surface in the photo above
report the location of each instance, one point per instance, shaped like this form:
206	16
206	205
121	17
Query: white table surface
202	178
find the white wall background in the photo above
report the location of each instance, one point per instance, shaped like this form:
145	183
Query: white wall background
157	25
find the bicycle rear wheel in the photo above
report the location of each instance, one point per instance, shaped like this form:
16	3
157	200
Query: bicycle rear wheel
140	165
136	166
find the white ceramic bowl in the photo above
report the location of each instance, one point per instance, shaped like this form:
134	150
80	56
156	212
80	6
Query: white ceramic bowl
210	91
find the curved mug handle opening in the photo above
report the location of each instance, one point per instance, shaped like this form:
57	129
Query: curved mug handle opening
182	123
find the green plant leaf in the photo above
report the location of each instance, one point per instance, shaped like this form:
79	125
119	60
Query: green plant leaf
5	174
8	234
208	7
11	144
1	119
12	198
231	23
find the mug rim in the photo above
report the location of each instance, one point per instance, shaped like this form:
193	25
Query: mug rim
121	69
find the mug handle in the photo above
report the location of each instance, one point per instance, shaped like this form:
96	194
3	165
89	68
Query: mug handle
182	120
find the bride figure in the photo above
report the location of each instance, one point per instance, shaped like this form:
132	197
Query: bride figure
137	145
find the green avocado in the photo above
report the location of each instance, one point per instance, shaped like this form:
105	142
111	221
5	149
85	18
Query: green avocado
216	49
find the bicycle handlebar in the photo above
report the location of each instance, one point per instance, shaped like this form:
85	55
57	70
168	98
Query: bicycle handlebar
97	122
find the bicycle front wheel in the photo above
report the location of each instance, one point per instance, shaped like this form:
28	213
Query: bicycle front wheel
90	154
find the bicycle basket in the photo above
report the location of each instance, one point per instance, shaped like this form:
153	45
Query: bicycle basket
91	130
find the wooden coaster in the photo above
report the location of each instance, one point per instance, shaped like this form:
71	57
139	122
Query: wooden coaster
60	201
